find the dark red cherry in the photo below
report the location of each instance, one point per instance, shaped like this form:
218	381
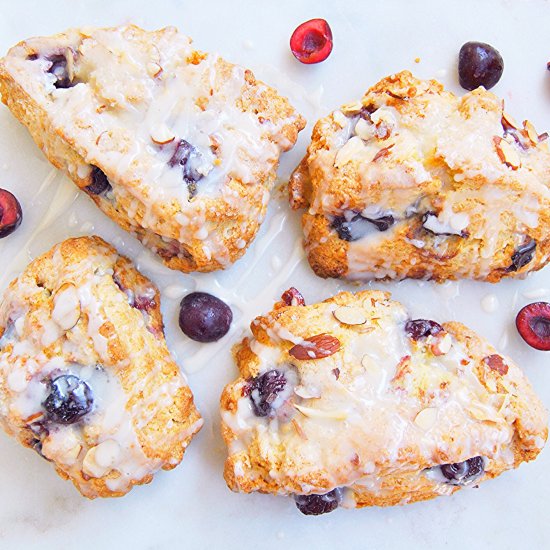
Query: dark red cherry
420	328
311	42
70	398
315	505
204	317
11	214
479	64
263	391
463	473
533	324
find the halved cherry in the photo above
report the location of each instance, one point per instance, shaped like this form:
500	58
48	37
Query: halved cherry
10	213
533	324
311	42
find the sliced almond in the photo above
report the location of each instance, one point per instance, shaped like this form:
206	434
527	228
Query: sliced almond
340	118
162	135
350	315
426	418
299	429
353	108
293	297
316	347
307	393
441	344
506	153
90	467
153	69
384	152
508	123
364	130
531	132
496	362
317	413
70	456
66	306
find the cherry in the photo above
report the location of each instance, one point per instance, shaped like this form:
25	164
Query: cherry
11	214
203	317
315	505
479	64
533	324
311	42
263	391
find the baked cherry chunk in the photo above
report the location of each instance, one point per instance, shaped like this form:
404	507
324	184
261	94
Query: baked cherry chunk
421	328
70	399
479	64
185	155
315	505
358	226
60	71
533	324
204	318
523	255
100	184
263	391
463	473
11	214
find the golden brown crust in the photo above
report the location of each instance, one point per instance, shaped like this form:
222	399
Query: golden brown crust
322	435
118	336
232	219
395	154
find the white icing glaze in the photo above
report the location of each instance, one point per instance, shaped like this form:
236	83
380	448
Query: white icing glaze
354	427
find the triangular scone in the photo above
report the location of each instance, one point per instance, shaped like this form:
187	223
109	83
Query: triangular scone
176	145
86	378
353	400
413	181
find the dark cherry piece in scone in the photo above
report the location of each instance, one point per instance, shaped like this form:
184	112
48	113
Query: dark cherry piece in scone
177	146
351	403
86	379
413	181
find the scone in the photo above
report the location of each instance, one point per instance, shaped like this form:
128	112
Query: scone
412	181
177	146
86	379
350	402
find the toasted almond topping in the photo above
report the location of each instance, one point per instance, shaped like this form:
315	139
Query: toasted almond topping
153	69
90	467
307	393
426	418
350	315
506	153
508	123
384	152
162	135
33	417
293	297
299	429
531	132
364	130
479	412
441	344
353	108
317	413
496	362
316	347
340	118
66	306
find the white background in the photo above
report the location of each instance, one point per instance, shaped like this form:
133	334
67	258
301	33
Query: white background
191	507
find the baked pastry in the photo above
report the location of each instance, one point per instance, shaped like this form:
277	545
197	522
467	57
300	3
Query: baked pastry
350	402
177	146
412	181
86	379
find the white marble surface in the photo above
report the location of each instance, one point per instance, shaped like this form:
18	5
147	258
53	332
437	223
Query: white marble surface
191	507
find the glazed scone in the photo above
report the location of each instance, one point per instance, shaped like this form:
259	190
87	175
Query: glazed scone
86	378
413	181
350	402
177	146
